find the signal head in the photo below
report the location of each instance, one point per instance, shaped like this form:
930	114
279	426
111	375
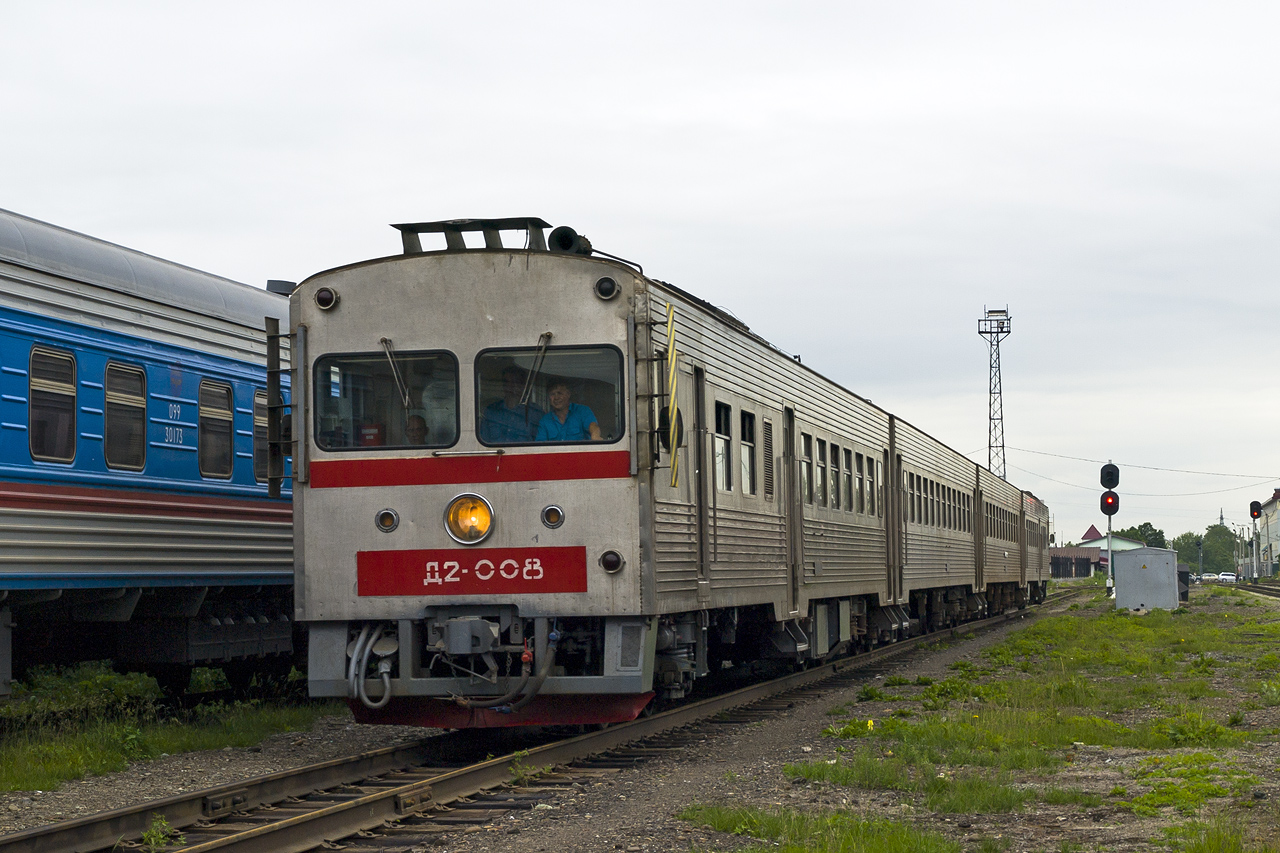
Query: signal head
1255	509
1110	476
1110	502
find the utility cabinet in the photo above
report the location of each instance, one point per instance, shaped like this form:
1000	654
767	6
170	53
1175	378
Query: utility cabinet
1146	579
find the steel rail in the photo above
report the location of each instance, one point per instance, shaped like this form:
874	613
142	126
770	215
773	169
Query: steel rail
299	832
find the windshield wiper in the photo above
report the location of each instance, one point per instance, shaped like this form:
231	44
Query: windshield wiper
395	371
544	340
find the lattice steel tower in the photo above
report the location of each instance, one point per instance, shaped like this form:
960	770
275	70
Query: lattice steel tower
995	326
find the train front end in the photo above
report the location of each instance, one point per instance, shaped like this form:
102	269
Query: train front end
467	522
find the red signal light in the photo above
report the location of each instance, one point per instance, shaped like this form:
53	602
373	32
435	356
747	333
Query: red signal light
1110	502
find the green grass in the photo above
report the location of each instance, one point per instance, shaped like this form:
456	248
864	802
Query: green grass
44	760
831	832
88	720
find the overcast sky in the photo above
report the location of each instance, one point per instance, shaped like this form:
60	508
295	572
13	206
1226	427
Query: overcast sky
856	181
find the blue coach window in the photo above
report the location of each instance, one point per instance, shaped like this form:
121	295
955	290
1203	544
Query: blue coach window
216	415
51	426
386	400
125	429
565	395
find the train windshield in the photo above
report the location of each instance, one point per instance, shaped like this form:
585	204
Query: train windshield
386	399
540	395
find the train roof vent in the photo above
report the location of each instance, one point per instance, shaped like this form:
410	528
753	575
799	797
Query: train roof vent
453	229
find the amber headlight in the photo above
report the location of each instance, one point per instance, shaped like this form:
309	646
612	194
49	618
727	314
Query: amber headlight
469	519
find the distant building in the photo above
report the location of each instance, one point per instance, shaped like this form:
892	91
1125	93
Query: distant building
1074	562
1269	532
1094	539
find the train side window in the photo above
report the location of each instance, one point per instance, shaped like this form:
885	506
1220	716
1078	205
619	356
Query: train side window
848	480
820	481
835	476
766	435
862	492
125	418
747	450
51	411
911	497
260	435
723	446
215	430
806	467
878	509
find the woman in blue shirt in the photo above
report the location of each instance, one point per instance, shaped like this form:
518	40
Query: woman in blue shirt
566	421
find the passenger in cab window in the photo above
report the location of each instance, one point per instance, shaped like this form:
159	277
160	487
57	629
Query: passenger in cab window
566	421
506	420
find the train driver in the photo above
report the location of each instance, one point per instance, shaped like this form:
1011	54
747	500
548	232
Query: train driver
415	430
506	420
566	421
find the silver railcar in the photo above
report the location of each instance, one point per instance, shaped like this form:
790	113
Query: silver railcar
473	551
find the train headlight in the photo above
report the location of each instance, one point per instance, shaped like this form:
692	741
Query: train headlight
552	516
469	519
612	562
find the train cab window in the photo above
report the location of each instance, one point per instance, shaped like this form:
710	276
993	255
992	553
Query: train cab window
386	399
806	467
835	477
747	452
723	446
260	436
125	418
214	435
848	480
820	481
51	416
565	395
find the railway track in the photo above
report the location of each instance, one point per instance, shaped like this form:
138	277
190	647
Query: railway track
394	798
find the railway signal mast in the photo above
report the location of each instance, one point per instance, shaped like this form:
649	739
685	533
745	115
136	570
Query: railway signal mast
995	326
1110	506
1255	512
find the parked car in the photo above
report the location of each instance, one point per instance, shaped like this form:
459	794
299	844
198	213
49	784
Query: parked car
1208	576
1227	577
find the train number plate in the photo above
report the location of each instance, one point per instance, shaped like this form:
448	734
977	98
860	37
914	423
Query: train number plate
487	571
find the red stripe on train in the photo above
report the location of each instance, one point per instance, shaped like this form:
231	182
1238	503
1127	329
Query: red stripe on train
460	470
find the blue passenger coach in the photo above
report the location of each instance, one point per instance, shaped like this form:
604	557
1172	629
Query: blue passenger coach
134	517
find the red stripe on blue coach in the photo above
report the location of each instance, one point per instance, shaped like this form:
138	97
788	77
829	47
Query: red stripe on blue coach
460	470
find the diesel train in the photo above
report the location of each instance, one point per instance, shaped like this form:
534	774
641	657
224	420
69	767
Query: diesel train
135	521
534	486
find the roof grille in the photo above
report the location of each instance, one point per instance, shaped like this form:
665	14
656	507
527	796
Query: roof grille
453	230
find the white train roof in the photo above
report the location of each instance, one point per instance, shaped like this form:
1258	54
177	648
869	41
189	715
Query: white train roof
48	248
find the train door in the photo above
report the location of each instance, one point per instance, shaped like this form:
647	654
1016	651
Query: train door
897	528
794	511
979	515
1022	548
702	482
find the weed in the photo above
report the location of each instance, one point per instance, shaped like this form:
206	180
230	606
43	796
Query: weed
826	832
160	834
521	773
1270	693
896	681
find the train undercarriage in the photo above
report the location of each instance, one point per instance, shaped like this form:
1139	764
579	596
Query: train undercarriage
465	667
